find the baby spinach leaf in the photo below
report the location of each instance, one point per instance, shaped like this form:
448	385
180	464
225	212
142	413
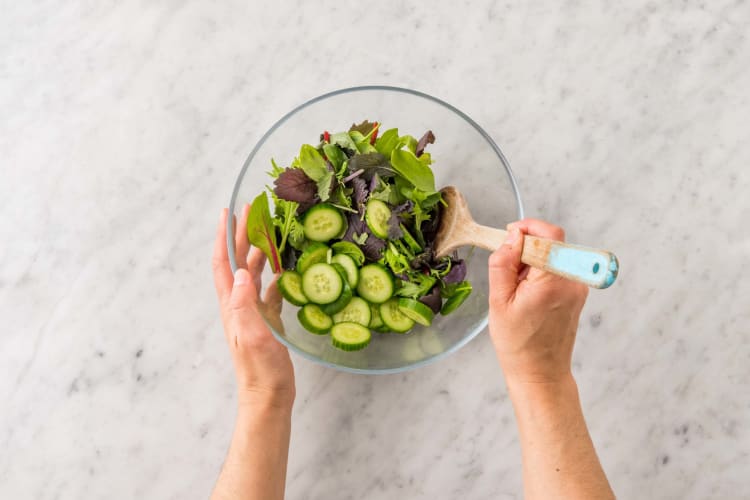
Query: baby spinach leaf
410	168
345	142
312	163
261	232
408	141
335	156
386	143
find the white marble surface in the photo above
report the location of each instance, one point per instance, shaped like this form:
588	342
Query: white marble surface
124	124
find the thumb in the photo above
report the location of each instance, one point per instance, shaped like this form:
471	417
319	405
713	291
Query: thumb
504	266
244	294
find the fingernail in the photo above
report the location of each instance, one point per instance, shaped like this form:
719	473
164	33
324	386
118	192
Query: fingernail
513	235
241	277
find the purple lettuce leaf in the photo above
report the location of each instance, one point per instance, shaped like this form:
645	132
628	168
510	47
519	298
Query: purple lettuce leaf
294	185
433	300
371	163
427	138
360	194
457	272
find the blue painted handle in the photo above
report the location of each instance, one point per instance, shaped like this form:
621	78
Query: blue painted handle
596	268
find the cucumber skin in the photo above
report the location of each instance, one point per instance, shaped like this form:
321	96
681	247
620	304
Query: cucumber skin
346	346
352	302
387	321
353	280
422	311
286	294
380	232
311	252
308	326
316	300
317	208
361	286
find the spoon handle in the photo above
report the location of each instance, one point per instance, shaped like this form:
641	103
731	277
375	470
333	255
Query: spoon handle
590	266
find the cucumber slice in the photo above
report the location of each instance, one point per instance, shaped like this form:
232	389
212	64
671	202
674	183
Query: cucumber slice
421	313
322	222
460	294
350	249
314	320
344	298
290	286
356	311
350	336
375	283
352	272
375	320
322	283
393	318
314	253
377	215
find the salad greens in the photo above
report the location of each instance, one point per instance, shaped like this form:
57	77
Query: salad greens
356	216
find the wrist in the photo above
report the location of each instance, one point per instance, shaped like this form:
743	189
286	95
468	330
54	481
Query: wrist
265	403
541	388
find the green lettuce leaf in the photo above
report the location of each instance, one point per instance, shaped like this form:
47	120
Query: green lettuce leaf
386	143
410	168
312	163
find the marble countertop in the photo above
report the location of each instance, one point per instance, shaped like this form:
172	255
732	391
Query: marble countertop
124	124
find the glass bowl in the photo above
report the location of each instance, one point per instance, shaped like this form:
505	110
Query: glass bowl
464	156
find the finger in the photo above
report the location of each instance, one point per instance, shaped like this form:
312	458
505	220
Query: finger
220	262
504	266
241	243
255	263
272	298
542	229
536	227
243	296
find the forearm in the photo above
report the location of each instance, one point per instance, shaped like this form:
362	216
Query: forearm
255	467
559	459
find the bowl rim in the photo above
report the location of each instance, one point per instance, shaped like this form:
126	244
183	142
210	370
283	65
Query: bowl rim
230	235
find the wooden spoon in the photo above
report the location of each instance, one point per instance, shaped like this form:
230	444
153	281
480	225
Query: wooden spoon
595	268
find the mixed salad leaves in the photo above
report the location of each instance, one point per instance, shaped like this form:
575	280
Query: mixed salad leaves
352	232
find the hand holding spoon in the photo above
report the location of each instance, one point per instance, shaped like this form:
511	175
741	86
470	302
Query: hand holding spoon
595	268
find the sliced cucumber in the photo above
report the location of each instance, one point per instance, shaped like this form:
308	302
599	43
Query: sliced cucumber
322	283
377	215
421	313
393	318
346	294
314	253
290	286
350	249
322	222
460	294
375	320
352	271
314	319
375	283
356	311
350	336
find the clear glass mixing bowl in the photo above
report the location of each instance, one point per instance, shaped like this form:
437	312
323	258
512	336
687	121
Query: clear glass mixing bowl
464	156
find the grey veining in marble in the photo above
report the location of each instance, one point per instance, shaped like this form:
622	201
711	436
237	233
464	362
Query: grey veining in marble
123	126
